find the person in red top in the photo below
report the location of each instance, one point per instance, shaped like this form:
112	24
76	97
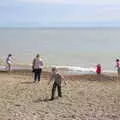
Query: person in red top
98	71
118	68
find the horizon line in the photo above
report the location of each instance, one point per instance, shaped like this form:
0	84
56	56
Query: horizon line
59	27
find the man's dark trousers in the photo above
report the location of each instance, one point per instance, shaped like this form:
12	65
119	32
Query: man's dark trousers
58	86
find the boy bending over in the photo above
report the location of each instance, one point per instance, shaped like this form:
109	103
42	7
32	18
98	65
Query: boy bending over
57	78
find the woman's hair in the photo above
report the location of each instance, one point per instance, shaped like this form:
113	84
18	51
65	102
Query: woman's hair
10	55
117	60
37	55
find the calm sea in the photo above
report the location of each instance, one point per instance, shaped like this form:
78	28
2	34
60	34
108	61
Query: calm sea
80	47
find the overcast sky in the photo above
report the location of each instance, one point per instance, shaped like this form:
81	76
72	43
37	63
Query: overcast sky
60	13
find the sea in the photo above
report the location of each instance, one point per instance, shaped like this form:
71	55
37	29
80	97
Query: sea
77	49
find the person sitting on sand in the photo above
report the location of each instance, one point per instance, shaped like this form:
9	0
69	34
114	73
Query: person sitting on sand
118	67
9	62
37	67
57	78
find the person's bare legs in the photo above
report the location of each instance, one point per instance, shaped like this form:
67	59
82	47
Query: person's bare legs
118	77
99	76
9	67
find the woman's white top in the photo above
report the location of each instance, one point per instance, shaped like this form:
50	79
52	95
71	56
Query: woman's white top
38	63
9	60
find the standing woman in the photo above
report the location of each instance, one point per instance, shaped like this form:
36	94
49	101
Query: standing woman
118	67
9	62
37	67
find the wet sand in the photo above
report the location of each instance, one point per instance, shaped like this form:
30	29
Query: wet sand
84	98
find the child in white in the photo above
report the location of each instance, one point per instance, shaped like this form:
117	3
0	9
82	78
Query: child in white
9	62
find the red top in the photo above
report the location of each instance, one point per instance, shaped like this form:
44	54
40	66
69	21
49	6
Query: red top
98	68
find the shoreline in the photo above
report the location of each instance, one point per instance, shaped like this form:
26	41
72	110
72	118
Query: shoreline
66	70
46	75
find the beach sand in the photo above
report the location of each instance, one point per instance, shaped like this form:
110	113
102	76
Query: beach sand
84	98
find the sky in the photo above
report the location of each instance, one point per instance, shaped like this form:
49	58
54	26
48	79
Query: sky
60	13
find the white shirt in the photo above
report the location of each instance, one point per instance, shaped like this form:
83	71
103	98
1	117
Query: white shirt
38	63
9	60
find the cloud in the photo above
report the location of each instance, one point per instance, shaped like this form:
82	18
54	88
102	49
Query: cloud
85	14
98	14
60	13
98	2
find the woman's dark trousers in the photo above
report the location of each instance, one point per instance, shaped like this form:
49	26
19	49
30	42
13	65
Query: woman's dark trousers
37	74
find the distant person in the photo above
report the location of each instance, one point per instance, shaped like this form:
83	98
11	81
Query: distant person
98	71
118	67
9	62
37	67
56	77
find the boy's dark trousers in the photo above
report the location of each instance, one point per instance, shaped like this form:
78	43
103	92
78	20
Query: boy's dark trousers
37	74
54	89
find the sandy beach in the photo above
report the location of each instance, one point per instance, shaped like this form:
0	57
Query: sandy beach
84	98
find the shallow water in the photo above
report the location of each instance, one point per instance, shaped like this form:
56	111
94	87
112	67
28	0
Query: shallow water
83	47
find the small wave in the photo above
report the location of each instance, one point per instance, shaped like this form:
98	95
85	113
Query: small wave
65	69
81	70
76	69
2	67
109	71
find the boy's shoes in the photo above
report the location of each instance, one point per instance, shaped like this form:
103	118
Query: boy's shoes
59	95
35	81
51	99
54	98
